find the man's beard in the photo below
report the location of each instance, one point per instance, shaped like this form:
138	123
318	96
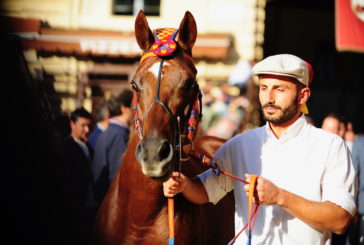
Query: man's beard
286	114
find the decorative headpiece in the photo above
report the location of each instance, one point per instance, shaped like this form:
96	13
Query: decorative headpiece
164	44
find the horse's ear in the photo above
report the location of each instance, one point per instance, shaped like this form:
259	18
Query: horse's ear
187	32
143	34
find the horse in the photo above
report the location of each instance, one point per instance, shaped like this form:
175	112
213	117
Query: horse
166	111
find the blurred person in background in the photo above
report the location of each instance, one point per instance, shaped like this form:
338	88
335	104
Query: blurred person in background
228	124
356	231
77	157
334	123
102	122
112	143
215	109
338	124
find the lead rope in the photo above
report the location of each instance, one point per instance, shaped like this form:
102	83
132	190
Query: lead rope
192	122
171	220
252	213
171	199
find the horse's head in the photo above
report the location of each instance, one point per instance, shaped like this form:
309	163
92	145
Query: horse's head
166	95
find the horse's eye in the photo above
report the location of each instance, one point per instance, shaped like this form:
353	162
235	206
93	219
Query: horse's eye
134	86
189	84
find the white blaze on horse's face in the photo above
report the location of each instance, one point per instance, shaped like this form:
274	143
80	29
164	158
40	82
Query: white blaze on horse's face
155	69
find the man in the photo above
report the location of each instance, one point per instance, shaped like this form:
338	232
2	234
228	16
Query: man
306	182
334	123
112	143
102	122
78	154
338	124
77	157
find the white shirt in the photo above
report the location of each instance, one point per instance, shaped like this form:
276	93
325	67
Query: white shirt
305	160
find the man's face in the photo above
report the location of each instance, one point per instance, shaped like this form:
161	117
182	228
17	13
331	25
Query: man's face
333	125
81	128
278	97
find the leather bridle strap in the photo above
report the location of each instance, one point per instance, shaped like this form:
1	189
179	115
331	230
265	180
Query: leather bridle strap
165	107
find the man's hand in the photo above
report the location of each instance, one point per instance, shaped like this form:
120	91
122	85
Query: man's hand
320	215
177	183
265	193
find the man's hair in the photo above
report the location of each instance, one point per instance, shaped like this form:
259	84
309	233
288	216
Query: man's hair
123	99
80	112
102	112
341	117
299	85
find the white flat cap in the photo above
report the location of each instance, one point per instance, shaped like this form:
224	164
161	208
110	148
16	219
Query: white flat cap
285	65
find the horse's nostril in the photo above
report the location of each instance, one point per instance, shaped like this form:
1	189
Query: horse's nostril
164	150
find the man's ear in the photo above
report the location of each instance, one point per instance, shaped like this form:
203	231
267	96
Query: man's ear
305	94
123	108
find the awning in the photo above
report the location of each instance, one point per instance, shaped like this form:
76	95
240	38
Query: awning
106	43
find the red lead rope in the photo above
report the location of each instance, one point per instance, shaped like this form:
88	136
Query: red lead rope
252	213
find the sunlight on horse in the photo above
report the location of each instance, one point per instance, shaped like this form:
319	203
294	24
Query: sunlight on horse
166	94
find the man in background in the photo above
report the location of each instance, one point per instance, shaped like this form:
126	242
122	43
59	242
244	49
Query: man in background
338	124
77	157
112	143
102	122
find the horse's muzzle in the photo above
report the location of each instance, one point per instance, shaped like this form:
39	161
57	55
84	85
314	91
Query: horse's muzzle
155	157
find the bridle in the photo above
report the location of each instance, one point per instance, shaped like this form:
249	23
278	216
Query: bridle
163	48
195	111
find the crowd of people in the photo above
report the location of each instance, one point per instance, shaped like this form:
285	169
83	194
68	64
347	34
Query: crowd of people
91	156
307	177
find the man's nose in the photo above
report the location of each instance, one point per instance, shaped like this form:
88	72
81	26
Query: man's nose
271	97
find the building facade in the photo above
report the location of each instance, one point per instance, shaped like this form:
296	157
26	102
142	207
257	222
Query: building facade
86	48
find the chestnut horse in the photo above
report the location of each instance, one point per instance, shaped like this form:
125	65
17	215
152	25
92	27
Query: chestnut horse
134	211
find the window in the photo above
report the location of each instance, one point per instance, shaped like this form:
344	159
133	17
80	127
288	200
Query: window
132	7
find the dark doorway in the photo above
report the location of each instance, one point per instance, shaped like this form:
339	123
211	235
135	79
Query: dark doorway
307	29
